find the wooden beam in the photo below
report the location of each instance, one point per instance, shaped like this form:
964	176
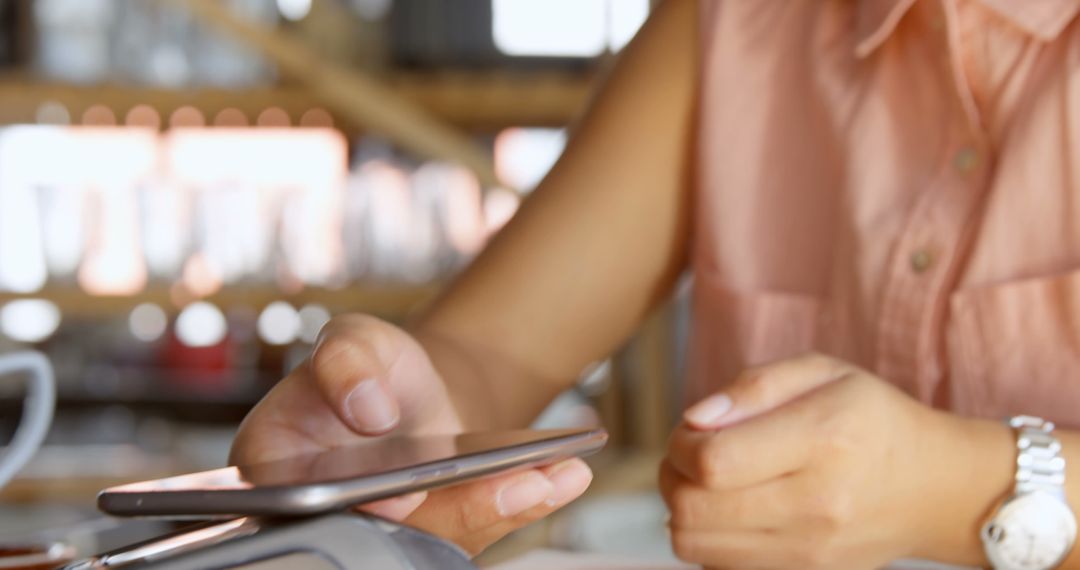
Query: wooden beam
500	99
474	101
350	93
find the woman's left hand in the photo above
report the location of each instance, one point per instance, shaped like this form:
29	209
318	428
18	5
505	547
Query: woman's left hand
814	463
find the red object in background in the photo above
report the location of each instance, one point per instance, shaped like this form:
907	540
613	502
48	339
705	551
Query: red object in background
199	368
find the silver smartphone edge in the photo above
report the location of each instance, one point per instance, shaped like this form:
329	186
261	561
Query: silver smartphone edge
303	500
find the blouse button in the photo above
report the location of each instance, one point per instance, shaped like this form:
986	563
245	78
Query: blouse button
921	260
966	159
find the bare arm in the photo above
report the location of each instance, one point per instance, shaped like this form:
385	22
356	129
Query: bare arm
597	246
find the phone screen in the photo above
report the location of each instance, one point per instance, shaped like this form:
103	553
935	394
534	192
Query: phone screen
376	457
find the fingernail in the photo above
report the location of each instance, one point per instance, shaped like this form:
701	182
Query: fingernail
371	408
523	493
708	411
570	480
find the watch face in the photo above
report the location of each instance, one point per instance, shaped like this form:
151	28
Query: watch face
1033	531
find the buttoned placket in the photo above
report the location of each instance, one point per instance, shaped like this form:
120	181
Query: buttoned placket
929	254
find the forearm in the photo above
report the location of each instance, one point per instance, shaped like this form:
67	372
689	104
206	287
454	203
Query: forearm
593	250
978	478
489	390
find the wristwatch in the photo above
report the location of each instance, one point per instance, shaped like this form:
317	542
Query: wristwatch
1035	528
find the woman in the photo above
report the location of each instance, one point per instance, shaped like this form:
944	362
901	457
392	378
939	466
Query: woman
886	182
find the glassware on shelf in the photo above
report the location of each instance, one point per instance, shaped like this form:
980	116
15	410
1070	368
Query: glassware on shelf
112	163
63	228
389	218
268	201
197	209
165	217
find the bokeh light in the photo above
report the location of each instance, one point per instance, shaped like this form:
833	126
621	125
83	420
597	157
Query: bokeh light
523	156
148	322
279	323
52	113
201	324
273	117
294	10
98	116
312	319
143	116
200	277
317	118
29	320
230	117
187	116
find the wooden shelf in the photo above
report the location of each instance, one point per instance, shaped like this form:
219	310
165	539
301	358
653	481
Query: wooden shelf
484	101
391	301
498	100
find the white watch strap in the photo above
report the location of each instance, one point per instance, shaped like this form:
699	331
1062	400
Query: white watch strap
1039	464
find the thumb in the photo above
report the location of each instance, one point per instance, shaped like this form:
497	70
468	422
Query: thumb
350	367
759	390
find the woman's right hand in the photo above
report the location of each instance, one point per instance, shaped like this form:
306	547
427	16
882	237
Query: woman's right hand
367	378
554	291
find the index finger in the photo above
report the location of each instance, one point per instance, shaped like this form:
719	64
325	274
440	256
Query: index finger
764	388
749	453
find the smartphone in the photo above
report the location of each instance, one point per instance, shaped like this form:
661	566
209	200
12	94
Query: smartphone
346	476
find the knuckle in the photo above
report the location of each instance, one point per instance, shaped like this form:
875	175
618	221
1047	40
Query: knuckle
834	513
687	547
713	462
829	365
834	369
334	326
803	554
839	427
754	388
815	357
351	346
737	507
815	551
336	351
859	385
841	441
823	555
834	436
683	507
466	518
666	480
816	560
473	544
840	511
352	326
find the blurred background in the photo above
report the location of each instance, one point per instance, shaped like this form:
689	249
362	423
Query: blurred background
189	189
